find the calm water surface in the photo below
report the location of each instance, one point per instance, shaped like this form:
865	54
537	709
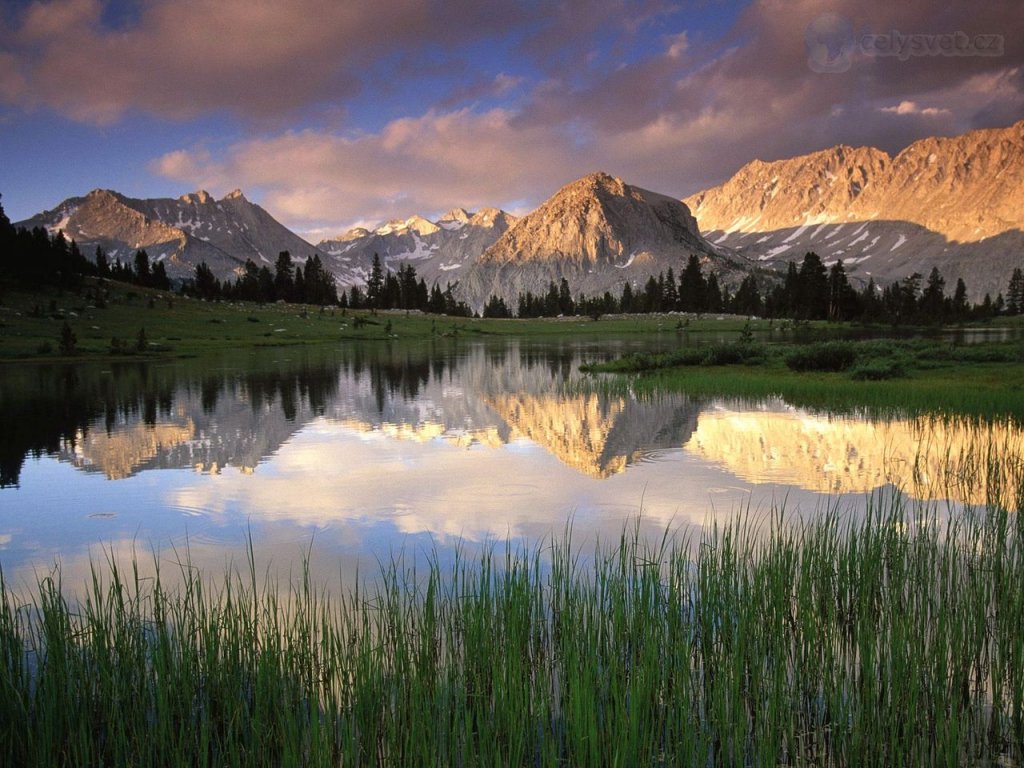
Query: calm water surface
351	454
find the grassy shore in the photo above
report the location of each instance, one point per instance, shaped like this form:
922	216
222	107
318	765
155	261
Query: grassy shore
895	376
889	639
31	323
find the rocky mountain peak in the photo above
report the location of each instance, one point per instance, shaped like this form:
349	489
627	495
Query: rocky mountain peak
456	215
489	217
951	202
353	234
790	192
945	184
102	195
200	197
598	218
596	232
415	223
597	185
181	232
235	194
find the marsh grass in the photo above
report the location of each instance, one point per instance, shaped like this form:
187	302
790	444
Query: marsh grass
885	639
982	391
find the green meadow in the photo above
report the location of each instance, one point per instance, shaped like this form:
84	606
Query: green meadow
107	319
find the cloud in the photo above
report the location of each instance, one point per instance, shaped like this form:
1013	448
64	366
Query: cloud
912	108
425	164
677	45
480	89
12	82
628	87
185	58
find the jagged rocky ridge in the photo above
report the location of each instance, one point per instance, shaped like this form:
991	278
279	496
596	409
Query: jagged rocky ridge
180	232
955	203
441	251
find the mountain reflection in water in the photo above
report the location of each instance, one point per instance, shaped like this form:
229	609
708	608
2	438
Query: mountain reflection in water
396	447
123	419
927	457
130	418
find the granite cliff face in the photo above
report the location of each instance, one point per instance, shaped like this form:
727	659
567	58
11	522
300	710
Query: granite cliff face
597	232
955	203
180	232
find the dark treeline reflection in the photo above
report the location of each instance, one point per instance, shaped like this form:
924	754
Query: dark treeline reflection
55	409
47	407
236	410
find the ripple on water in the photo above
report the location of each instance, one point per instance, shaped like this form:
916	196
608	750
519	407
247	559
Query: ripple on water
191	510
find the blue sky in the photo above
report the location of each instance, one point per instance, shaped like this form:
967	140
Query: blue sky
332	114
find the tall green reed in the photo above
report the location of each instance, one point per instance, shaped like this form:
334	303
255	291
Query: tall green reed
892	637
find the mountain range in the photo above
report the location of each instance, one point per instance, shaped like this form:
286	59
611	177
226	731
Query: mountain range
954	203
441	251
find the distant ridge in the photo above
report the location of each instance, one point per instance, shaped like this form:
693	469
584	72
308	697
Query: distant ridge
440	251
180	232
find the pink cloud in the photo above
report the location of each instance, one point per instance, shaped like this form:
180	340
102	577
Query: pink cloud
183	58
425	164
682	117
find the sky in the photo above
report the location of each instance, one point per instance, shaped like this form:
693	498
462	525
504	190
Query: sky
337	113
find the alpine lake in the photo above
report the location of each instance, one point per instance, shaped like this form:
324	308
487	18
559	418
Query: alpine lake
342	456
467	551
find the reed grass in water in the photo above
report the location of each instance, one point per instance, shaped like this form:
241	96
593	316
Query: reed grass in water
895	638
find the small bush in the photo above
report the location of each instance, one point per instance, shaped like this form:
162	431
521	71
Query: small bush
733	354
640	361
829	356
68	340
725	354
984	354
687	356
878	370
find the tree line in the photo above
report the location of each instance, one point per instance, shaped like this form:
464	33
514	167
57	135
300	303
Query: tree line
403	290
808	291
314	284
290	282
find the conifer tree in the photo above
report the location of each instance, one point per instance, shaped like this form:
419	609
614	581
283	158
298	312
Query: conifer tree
692	287
933	298
1015	293
812	290
284	276
375	284
960	306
